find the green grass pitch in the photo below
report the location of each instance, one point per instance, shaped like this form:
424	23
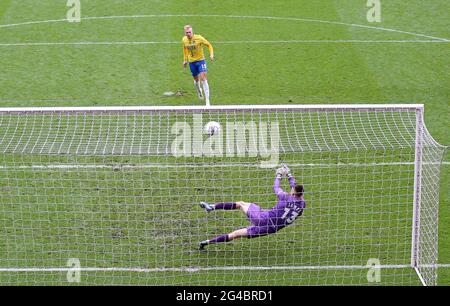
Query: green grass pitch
327	53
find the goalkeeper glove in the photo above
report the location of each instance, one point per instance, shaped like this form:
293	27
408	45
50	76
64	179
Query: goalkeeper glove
286	170
279	173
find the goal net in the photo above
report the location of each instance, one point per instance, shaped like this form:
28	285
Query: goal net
111	195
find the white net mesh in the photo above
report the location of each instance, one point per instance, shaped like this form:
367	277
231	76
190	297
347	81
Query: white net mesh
118	191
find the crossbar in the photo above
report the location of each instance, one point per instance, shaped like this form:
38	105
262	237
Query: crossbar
296	107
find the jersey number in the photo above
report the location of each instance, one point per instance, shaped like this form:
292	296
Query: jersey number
289	215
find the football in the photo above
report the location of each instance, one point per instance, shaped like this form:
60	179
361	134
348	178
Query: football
212	128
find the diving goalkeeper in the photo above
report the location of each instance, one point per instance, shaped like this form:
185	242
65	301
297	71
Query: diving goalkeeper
264	222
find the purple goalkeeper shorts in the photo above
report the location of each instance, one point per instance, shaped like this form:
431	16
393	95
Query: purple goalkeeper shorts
260	220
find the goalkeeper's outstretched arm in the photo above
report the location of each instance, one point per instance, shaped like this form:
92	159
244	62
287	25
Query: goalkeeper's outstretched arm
276	184
284	170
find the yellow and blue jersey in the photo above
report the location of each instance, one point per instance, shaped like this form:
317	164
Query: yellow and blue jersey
193	48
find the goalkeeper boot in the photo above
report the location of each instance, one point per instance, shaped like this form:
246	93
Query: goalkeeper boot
202	245
206	206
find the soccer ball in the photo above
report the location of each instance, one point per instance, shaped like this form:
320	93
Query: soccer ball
212	128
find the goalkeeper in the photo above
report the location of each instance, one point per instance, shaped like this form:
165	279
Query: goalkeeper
264	222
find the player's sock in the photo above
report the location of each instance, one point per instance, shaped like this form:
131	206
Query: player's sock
218	239
206	90
225	205
198	87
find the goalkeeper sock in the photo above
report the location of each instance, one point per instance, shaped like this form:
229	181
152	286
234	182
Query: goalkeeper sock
221	238
225	205
206	89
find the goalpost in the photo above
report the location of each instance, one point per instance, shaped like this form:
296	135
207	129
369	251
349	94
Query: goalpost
109	195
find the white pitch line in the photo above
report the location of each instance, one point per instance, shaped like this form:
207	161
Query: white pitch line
204	165
89	43
225	268
235	17
333	41
134	43
198	269
443	265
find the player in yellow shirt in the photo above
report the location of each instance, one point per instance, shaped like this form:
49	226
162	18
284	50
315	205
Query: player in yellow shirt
193	54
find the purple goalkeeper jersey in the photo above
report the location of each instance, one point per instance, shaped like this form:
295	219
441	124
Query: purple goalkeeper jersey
288	207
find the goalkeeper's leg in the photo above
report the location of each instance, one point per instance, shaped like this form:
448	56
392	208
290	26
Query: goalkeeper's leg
221	205
226	206
225	238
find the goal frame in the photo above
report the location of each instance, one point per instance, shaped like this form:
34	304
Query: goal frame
417	195
305	107
420	129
